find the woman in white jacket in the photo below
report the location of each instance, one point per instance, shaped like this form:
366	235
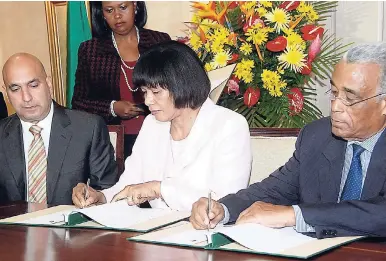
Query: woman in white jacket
187	147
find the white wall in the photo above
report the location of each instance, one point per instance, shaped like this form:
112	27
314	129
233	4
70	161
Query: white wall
357	22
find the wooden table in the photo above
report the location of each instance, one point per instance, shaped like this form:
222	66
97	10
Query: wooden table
51	244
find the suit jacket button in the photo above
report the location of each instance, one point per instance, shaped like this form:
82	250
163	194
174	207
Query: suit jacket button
324	232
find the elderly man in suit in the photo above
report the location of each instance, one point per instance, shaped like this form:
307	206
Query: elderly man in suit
334	184
45	149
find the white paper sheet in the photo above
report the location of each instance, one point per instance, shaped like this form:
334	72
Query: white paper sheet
191	237
265	239
120	215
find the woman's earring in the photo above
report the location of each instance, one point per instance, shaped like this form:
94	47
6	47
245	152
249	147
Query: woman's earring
135	12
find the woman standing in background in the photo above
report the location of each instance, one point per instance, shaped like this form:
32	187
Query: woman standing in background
3	107
103	83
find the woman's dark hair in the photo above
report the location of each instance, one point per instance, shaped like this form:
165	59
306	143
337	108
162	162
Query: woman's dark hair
99	26
175	67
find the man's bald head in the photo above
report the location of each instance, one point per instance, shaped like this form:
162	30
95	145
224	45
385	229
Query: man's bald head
27	86
23	59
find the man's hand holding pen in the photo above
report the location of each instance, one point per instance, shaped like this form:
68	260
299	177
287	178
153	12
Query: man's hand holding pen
83	196
205	215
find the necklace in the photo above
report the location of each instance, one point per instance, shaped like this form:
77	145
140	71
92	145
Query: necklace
123	62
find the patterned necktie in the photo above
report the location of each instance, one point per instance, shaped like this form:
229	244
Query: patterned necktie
353	186
37	167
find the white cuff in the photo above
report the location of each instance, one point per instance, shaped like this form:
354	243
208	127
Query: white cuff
226	215
112	108
301	225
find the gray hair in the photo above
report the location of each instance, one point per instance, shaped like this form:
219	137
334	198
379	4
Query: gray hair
369	53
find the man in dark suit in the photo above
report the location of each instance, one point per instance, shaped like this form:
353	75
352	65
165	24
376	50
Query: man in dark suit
334	184
3	107
46	149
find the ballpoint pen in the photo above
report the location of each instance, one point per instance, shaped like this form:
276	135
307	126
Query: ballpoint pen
209	206
86	193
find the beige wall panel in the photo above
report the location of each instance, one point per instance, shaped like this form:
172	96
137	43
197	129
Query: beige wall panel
168	16
23	28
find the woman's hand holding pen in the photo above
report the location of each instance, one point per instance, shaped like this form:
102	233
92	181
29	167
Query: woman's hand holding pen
139	193
126	109
80	192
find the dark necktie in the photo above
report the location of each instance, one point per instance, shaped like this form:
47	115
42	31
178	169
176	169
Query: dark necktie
353	186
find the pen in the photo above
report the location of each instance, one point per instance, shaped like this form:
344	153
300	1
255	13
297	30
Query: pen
86	193
209	206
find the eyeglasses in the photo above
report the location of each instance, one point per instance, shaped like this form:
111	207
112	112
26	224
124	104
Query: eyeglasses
347	103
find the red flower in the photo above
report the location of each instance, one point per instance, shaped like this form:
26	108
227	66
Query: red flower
233	85
251	21
233	4
234	58
251	96
183	40
314	49
296	101
278	44
311	31
306	70
289	5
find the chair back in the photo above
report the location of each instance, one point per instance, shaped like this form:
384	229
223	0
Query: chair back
116	133
271	148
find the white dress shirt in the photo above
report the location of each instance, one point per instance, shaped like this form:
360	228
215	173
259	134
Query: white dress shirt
28	137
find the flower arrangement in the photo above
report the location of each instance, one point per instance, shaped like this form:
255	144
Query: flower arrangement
281	49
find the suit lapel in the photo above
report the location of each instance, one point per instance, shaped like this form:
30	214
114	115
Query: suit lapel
331	174
59	140
13	144
376	171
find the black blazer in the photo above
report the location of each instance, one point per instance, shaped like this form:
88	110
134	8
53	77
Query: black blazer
79	149
98	73
311	179
3	107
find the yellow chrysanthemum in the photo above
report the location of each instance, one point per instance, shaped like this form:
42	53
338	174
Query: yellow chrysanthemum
243	70
217	46
262	11
294	39
257	35
303	7
221	59
248	77
275	91
266	3
246	48
208	67
195	41
279	17
312	16
293	57
249	5
207	24
266	76
273	83
270	77
280	69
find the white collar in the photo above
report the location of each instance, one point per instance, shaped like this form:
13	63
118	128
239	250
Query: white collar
45	124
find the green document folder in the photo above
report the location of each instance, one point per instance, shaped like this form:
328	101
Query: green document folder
115	216
276	242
